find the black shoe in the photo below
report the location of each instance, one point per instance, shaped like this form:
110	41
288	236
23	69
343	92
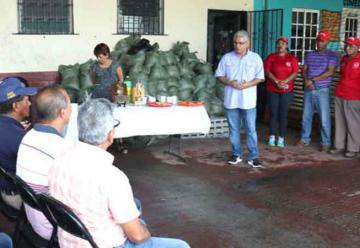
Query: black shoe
255	163
235	160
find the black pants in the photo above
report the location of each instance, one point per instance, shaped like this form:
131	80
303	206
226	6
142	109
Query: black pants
279	104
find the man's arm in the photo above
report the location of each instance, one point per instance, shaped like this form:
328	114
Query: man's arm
329	72
135	231
307	82
251	83
232	83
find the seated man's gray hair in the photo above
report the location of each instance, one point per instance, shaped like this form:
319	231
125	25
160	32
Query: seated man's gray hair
95	120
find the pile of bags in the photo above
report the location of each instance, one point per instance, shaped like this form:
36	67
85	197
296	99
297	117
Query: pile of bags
177	72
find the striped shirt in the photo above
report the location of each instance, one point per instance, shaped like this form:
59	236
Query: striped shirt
37	152
84	178
318	63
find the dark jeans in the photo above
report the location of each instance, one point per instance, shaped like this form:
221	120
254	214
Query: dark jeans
279	104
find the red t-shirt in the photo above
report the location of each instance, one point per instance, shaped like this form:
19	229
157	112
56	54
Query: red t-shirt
281	67
348	86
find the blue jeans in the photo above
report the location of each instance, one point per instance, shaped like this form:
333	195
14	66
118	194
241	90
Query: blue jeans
319	100
5	241
153	242
248	116
279	106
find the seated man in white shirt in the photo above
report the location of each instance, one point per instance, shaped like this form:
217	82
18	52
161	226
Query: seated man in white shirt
85	179
40	146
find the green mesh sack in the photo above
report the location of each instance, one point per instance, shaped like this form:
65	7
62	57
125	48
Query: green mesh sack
121	47
185	70
173	82
190	58
158	72
200	82
161	86
151	88
203	68
211	83
180	48
173	71
85	75
152	58
173	91
216	107
70	76
219	90
186	84
185	95
73	94
116	55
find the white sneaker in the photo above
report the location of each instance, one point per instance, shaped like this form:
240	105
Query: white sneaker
255	163
235	160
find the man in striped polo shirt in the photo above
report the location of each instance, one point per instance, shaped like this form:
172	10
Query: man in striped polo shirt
40	146
319	66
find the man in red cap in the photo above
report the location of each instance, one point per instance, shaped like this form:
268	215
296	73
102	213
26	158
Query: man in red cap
347	102
319	66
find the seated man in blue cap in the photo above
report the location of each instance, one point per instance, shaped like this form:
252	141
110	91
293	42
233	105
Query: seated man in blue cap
14	108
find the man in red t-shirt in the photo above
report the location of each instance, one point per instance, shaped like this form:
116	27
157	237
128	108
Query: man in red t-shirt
347	102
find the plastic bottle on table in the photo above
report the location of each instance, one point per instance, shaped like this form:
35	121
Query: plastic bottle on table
128	84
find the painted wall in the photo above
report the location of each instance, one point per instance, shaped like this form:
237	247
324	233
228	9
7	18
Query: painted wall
94	23
287	5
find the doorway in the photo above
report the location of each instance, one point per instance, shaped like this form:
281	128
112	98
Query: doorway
222	24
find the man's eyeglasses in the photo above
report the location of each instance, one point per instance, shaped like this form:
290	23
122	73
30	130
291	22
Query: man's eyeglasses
116	123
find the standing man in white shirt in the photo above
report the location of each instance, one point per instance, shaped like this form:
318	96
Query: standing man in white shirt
241	71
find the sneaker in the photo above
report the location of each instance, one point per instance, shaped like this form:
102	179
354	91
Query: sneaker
301	143
235	160
335	151
271	140
281	142
255	163
350	154
325	148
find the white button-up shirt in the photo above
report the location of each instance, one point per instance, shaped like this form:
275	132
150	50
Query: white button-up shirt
244	69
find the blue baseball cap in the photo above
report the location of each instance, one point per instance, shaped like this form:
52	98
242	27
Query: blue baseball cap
13	87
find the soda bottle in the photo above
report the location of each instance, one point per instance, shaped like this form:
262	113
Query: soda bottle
128	84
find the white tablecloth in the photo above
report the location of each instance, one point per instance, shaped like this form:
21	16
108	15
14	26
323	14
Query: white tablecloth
144	120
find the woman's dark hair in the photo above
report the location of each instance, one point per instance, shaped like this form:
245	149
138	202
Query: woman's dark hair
101	48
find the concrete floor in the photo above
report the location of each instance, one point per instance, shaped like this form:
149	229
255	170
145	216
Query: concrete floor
304	198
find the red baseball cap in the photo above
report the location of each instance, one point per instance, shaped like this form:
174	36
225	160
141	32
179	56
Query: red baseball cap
323	36
283	38
353	41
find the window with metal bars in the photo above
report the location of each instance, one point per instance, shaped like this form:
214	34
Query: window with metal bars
352	3
45	16
304	28
351	27
141	17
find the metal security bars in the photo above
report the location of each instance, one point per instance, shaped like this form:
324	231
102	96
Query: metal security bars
304	28
141	17
352	3
45	16
264	28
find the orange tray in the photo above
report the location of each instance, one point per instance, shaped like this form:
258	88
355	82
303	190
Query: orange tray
159	104
191	103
